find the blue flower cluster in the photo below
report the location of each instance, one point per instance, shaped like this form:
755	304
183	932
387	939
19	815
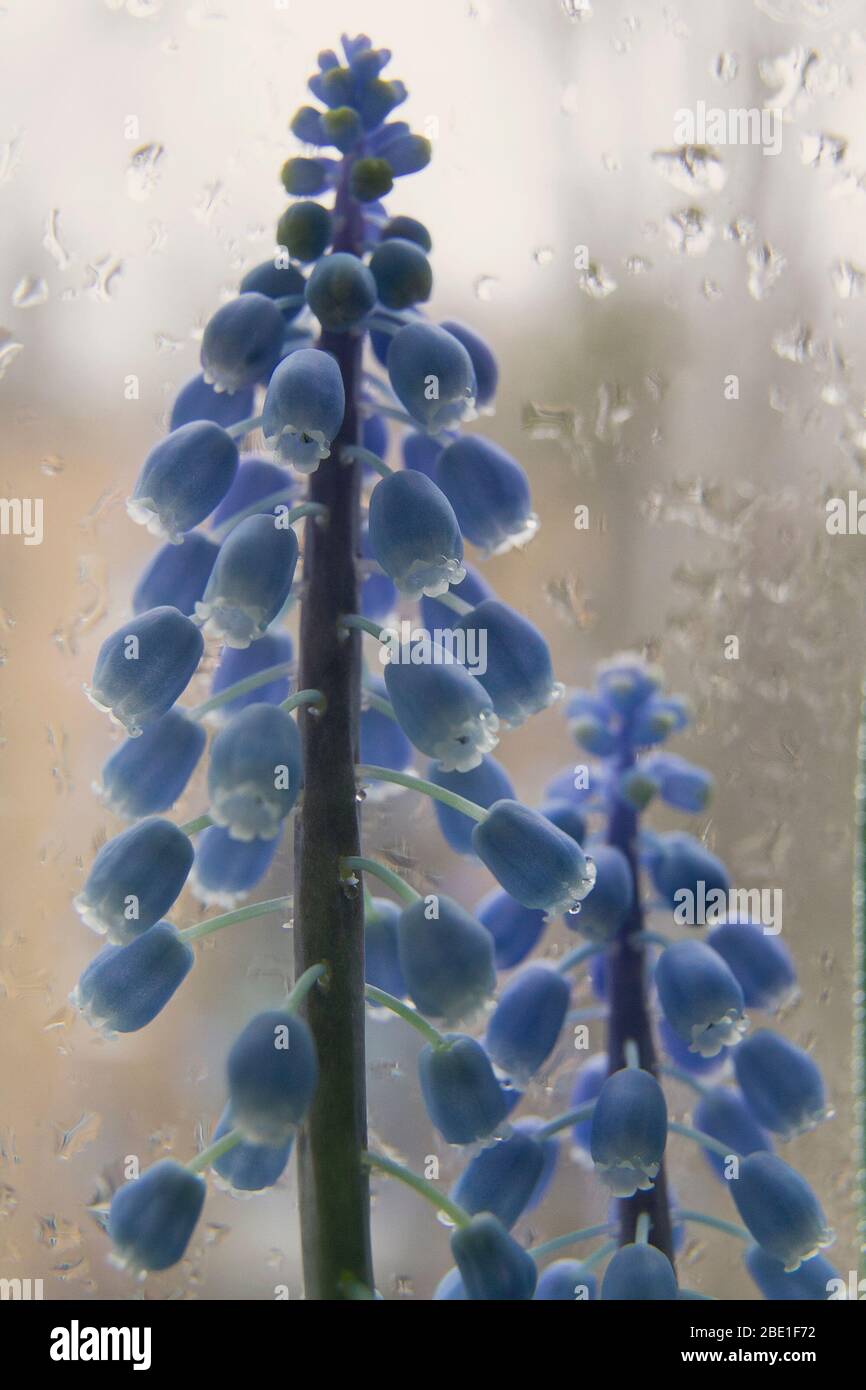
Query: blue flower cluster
224	576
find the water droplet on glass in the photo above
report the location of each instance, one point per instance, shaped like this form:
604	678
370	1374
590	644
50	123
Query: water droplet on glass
595	281
485	287
765	265
9	350
543	255
29	292
51	240
143	172
691	168
819	150
725	67
578	10
638	265
847	280
690	232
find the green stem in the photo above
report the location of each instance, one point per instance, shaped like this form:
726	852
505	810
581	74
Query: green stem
706	1141
302	986
418	784
366	456
600	1254
577	957
360	864
266	504
407	1013
304	697
214	1151
192	827
362	624
455	603
425	1189
565	1120
378	702
730	1228
550	1247
230	919
642	1228
244	687
680	1074
244	426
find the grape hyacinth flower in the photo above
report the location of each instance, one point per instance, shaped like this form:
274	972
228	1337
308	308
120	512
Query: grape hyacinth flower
566	1281
242	342
176	577
196	400
185	476
254	774
629	1131
507	1177
517	674
780	1210
125	987
460	1091
237	663
144	666
146	775
702	1000
272	1073
226	870
484	784
534	861
723	1113
382	948
414	535
332	414
134	880
781	1083
249	1167
153	1217
515	929
761	964
304	408
492	1266
489	492
432	376
250	582
446	959
639	1273
442	709
526	1024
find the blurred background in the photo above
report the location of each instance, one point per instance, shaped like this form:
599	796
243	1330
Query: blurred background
140	145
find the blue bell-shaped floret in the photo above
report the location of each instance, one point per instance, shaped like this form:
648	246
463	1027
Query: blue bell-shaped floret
760	962
816	1281
526	1023
483	360
249	1167
254	774
227	870
507	1177
702	1000
489	492
381	947
144	666
780	1210
629	1131
250	582
432	376
639	1273
242	342
152	1217
492	1265
125	987
723	1113
184	477
512	661
535	862
272	1074
177	576
146	775
414	534
255	480
304	408
135	879
196	400
782	1084
566	1281
446	958
237	663
461	1094
441	707
609	903
515	929
484	784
